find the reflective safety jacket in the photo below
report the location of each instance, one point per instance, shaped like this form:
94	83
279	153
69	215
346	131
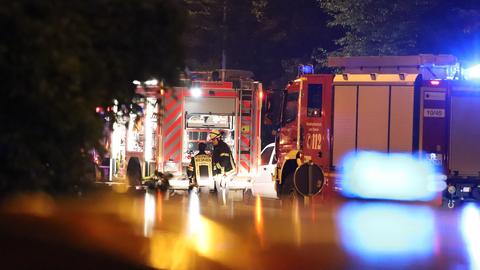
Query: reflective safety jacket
200	168
223	161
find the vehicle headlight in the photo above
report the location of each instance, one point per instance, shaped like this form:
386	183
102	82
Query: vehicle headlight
451	189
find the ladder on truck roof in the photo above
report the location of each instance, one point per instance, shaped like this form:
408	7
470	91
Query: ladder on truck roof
430	66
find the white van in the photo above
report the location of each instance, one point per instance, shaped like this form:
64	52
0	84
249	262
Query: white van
263	184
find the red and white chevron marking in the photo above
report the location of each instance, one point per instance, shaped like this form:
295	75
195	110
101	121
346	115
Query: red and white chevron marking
172	129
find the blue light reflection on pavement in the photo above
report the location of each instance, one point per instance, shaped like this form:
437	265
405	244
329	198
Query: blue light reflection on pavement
470	230
387	233
372	175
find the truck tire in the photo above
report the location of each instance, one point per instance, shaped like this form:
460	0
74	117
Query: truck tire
134	172
288	191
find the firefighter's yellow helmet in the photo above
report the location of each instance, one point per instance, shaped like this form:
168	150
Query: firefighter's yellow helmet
214	134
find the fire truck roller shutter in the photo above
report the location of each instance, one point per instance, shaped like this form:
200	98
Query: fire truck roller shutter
401	119
465	132
372	126
385	118
372	113
212	105
344	121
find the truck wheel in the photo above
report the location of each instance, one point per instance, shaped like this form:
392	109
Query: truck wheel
287	186
134	172
288	190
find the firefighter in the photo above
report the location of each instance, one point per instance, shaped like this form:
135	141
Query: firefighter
223	163
201	166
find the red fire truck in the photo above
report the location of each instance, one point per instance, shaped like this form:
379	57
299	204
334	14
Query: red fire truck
165	135
404	104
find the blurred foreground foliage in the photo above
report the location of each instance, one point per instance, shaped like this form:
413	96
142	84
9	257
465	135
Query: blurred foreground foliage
58	61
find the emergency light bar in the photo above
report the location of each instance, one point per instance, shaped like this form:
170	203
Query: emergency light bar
305	69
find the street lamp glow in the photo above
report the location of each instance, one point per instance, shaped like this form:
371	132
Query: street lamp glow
196	92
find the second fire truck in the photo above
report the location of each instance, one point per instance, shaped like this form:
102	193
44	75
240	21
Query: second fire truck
406	104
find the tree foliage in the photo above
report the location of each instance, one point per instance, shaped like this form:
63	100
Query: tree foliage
203	35
59	60
266	37
218	25
394	27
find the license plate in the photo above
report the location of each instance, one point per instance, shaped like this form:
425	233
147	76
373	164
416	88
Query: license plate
466	189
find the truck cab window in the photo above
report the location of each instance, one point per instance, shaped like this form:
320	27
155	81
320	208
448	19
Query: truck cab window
314	103
273	106
291	108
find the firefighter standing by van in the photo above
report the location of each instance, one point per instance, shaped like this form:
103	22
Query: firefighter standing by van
223	163
201	166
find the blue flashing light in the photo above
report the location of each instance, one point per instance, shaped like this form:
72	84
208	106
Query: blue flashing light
306	69
387	233
403	177
472	73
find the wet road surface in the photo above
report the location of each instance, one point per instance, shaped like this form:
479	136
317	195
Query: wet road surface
229	231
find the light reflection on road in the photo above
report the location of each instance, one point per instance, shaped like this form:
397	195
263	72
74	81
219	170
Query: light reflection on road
198	232
149	213
387	232
376	234
470	230
259	226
